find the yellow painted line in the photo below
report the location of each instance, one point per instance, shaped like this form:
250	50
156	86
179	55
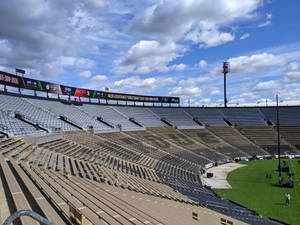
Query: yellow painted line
116	216
132	219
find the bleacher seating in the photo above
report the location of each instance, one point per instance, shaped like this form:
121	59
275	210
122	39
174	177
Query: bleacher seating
177	117
233	137
115	193
215	142
266	138
74	114
14	127
244	116
143	115
184	144
109	114
289	116
36	115
291	134
207	116
133	176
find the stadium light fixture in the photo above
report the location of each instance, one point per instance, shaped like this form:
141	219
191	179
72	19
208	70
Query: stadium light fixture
20	71
226	69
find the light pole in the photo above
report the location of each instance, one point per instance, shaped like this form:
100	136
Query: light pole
226	69
278	136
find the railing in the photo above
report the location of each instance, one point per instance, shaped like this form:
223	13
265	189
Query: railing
32	214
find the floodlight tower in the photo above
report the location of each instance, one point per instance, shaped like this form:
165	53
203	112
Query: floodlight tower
226	69
278	136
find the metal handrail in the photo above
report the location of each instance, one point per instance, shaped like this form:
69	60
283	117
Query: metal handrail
30	213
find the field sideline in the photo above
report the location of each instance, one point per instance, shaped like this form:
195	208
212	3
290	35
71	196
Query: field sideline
252	189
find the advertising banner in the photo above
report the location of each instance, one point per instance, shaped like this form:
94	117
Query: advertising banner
9	79
37	85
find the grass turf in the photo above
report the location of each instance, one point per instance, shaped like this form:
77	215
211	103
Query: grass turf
252	189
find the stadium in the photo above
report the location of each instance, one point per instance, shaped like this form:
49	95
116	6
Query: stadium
87	162
164	112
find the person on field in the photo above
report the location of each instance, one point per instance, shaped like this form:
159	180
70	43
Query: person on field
287	198
280	180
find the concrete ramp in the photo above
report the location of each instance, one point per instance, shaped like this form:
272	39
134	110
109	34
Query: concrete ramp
219	180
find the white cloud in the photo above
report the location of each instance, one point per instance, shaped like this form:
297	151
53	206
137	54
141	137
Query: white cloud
147	56
268	20
209	37
243	98
147	85
255	63
203	101
215	92
290	92
267	85
244	36
85	74
293	72
202	64
265	24
193	81
178	67
75	62
56	29
95	3
269	16
183	91
99	78
174	19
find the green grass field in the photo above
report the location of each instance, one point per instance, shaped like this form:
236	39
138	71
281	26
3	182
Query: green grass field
252	189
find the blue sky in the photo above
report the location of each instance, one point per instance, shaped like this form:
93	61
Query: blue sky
158	47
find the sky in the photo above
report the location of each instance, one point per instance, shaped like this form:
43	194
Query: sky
158	47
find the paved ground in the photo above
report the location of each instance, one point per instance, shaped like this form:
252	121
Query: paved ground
220	174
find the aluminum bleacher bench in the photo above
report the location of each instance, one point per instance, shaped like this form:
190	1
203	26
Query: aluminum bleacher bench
45	206
16	192
70	199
